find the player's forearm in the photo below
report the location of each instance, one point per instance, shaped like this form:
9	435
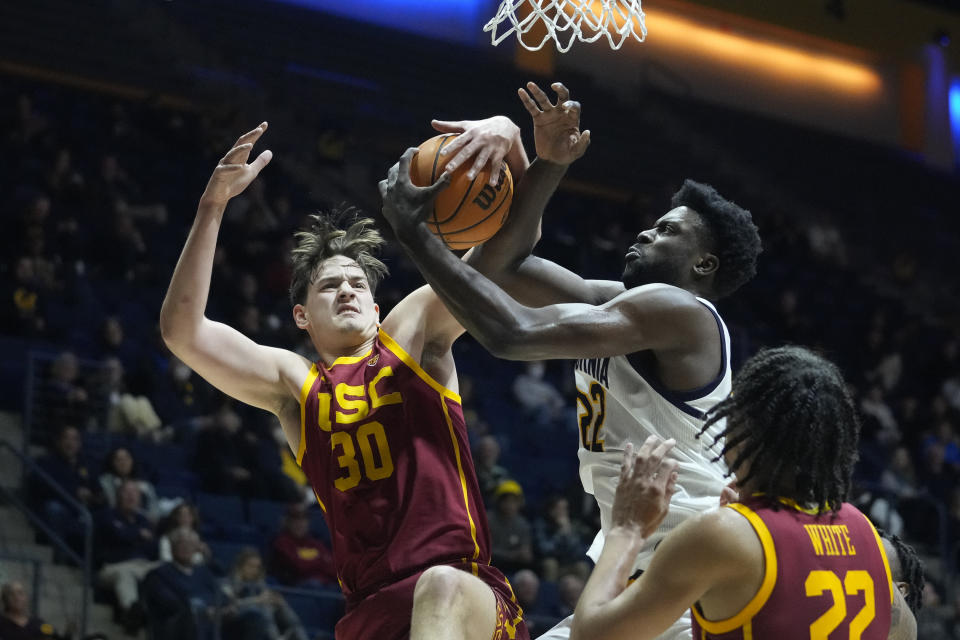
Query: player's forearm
487	312
186	299
520	234
593	617
517	159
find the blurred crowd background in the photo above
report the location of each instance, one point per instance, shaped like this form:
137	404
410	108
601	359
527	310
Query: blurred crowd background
107	141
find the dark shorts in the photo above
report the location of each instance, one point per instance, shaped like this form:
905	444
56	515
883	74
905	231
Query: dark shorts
385	614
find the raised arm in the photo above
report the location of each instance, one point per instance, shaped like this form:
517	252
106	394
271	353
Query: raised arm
658	317
506	258
704	555
261	376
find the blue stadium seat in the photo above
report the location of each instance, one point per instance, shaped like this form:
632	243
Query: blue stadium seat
224	553
177	477
224	513
317	609
173	490
266	515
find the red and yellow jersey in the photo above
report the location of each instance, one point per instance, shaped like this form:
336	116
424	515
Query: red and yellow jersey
826	578
385	448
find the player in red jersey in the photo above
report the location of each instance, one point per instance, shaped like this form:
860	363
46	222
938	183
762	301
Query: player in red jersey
376	422
792	561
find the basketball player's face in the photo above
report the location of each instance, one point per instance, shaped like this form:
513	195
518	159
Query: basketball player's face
340	307
666	253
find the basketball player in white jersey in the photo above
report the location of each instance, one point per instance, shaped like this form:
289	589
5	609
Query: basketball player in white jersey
652	353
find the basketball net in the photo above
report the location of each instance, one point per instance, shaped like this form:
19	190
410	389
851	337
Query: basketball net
568	20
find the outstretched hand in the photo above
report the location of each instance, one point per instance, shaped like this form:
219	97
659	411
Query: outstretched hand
233	174
486	141
647	482
556	127
406	205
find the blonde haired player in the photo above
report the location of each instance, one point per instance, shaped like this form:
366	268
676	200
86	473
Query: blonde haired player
652	353
375	422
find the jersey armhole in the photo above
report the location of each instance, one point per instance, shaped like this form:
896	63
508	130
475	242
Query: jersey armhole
752	608
394	347
883	554
304	393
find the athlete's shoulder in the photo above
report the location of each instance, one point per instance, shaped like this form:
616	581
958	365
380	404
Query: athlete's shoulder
722	533
659	296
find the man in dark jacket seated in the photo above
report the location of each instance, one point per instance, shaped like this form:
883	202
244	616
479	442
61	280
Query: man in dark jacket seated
180	598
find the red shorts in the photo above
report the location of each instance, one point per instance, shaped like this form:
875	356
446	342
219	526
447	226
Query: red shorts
385	614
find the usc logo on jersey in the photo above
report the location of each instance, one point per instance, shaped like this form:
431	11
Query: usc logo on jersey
354	402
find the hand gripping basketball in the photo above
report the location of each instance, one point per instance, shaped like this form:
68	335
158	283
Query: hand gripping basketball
406	205
646	485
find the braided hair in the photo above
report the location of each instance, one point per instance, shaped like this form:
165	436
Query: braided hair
792	418
909	569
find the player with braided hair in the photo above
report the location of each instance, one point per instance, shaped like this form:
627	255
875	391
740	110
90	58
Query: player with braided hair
796	387
789	560
907	572
906	569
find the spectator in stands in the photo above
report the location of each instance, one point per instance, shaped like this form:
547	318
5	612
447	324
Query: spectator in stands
526	587
875	406
66	466
223	457
559	541
22	306
539	399
937	616
183	399
252	603
126	412
899	478
938	476
115	344
119	467
16	623
297	557
570	587
489	473
180	597
946	437
64	397
510	531
183	516
127	545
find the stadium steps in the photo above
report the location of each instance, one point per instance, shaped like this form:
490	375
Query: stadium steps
61	585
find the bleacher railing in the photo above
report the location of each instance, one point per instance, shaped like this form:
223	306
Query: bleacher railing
38	424
83	561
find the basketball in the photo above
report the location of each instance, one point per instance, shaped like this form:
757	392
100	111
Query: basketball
467	212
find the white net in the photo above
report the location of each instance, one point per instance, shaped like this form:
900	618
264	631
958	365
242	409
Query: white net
567	21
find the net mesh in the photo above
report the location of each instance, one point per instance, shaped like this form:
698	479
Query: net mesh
567	21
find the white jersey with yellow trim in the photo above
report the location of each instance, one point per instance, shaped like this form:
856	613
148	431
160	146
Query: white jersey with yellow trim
620	400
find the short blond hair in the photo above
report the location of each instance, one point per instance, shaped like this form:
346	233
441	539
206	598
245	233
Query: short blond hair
340	232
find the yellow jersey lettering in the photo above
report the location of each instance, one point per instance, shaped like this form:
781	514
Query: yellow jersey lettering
357	403
846	536
376	400
323	411
827	539
814	539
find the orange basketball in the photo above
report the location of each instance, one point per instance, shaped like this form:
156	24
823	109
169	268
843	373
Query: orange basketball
466	212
